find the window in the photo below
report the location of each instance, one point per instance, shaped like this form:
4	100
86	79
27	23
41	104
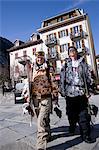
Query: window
62	33
51	36
60	19
16	55
49	23
34	50
53	52
75	29
24	53
78	44
63	47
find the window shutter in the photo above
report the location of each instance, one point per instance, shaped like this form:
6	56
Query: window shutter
83	44
68	44
80	28
66	32
59	34
55	35
71	30
60	49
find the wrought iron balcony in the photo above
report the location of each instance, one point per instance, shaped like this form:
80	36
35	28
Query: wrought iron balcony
24	59
63	55
51	42
77	36
52	56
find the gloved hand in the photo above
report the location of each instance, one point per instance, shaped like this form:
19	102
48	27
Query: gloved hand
30	110
58	112
27	108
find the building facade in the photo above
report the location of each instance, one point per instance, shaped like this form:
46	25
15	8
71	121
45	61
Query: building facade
55	36
68	29
20	54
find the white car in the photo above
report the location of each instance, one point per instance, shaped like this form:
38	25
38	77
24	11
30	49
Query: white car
18	93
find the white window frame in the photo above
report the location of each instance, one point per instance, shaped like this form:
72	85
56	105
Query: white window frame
53	51
75	29
78	44
62	33
64	47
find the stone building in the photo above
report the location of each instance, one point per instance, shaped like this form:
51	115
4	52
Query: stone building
4	59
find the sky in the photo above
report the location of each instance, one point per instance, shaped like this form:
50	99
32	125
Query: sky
20	18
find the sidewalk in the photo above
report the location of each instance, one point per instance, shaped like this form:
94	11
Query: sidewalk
16	133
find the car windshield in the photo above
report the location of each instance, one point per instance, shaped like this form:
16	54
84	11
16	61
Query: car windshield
19	86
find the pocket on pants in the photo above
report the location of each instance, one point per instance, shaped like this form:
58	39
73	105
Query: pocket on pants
44	102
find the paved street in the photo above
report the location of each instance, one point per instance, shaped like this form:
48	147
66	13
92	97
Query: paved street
16	133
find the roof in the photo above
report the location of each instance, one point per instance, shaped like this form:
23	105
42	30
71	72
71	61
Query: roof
71	10
24	45
61	23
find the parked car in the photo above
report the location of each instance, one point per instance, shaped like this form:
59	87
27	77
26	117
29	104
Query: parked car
18	93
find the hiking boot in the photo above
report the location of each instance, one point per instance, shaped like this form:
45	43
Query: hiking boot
88	139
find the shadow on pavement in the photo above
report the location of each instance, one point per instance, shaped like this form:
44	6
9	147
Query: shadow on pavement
66	144
95	131
76	140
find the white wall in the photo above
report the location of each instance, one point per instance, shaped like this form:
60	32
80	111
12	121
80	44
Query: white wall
14	62
67	39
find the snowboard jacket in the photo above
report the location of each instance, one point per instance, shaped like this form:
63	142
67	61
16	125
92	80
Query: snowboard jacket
72	82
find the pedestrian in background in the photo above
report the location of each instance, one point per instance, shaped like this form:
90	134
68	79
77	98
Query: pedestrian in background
3	89
73	88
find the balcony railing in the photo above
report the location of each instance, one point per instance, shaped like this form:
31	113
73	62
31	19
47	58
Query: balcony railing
77	36
63	55
24	59
52	56
51	42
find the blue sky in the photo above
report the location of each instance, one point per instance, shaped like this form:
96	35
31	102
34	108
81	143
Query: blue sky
20	18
